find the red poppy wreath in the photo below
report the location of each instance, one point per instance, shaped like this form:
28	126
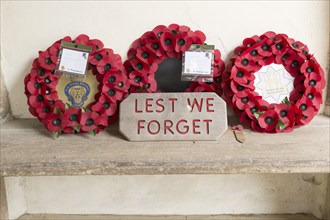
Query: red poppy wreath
58	117
163	42
245	73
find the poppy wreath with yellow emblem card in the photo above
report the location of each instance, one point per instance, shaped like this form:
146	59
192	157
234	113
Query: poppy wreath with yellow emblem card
59	116
273	83
162	43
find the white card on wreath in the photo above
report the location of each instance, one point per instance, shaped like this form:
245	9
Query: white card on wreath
198	63
73	61
273	83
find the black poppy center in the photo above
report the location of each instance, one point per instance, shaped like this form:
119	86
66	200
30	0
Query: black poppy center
309	69
111	79
107	67
312	82
48	91
39	98
111	92
46	109
181	42
167	41
295	45
98	57
265	47
37	85
57	122
137	79
310	96
278	46
269	120
73	117
303	107
294	64
106	105
254	53
240	88
253	109
89	122
41	72
139	66
245	62
239	74
47	80
285	56
121	84
245	100
145	55
283	113
48	61
155	46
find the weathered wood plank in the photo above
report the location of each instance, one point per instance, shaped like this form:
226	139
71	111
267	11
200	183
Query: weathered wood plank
27	149
164	217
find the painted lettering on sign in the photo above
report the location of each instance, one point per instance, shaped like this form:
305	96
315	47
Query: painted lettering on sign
173	116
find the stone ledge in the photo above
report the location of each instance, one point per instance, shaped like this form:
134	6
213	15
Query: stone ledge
28	149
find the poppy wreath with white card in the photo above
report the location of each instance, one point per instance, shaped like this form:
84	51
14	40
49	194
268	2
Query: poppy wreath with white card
60	117
161	43
273	83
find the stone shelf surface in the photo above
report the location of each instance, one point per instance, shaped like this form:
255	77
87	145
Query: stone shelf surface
164	217
28	149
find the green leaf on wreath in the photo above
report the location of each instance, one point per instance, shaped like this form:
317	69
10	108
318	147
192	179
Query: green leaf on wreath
67	105
286	101
281	125
93	132
56	134
56	110
83	109
257	114
77	128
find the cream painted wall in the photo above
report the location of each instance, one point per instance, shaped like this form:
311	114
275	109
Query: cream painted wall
170	194
29	26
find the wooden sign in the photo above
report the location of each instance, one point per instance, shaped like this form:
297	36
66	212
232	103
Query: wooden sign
172	116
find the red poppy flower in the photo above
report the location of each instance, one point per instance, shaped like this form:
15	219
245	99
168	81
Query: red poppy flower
309	67
285	113
244	99
280	45
183	42
197	37
295	45
266	61
268	120
154	46
265	48
54	52
95	44
250	41
89	121
314	95
96	57
306	106
82	39
159	30
292	64
117	80
36	101
167	40
46	61
241	76
107	64
244	63
114	95
54	123
315	80
140	66
44	110
144	54
71	117
104	105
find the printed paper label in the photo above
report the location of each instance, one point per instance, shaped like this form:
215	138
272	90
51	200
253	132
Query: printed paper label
73	61
198	63
273	83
